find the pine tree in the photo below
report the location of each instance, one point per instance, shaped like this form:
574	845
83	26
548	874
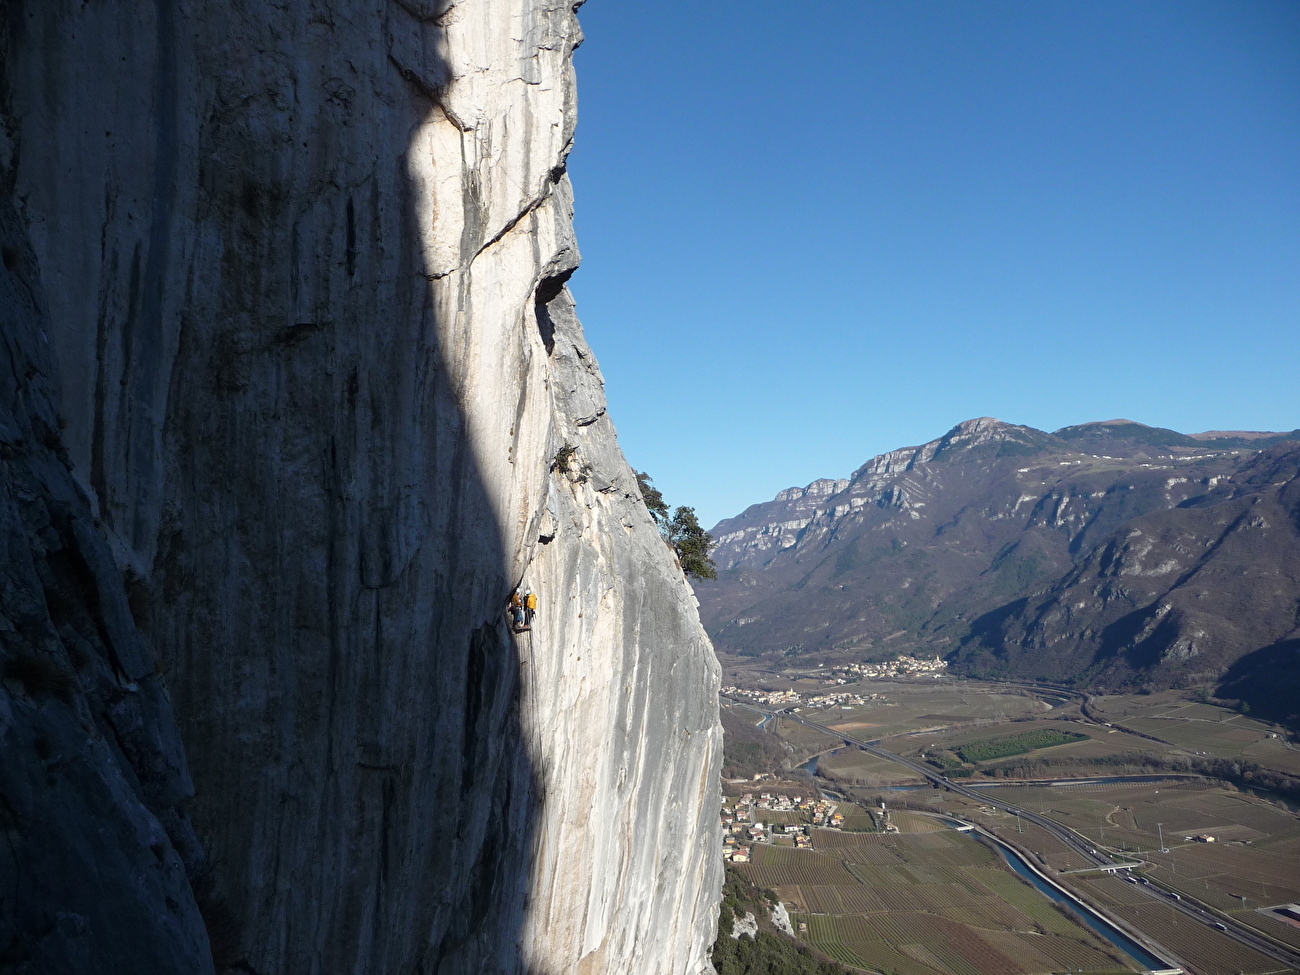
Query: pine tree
692	544
654	500
682	531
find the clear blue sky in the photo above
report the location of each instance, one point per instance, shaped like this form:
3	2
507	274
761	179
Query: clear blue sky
816	232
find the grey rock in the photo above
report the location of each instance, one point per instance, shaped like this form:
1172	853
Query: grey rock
781	919
1180	594
93	776
305	266
746	926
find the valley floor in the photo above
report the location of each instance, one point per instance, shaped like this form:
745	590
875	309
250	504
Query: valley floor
1129	778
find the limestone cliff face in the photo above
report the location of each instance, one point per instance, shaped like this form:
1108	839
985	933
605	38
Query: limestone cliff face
98	853
304	267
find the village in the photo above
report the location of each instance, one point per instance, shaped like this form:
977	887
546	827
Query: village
793	701
852	673
903	666
746	821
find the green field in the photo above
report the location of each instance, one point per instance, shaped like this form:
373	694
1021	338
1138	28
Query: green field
988	749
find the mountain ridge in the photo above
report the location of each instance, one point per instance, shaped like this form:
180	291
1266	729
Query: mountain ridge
921	543
1252	439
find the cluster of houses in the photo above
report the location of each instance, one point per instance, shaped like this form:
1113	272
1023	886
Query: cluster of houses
843	699
904	665
743	822
779	699
896	668
786	699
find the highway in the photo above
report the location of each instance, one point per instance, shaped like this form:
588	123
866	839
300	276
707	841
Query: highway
1088	852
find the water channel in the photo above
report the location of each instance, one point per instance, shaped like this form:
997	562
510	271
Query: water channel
1104	928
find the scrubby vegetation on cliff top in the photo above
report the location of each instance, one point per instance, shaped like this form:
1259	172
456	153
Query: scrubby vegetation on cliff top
769	952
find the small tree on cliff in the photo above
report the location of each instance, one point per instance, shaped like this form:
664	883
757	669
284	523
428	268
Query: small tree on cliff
653	498
681	531
692	544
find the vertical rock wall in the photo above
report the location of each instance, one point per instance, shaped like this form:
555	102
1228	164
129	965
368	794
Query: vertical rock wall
305	266
98	855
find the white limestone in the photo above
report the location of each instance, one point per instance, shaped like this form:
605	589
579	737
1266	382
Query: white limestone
306	269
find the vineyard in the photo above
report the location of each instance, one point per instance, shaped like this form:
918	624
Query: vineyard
924	903
1212	952
856	767
987	749
777	866
923	943
1209	950
1271	924
916	823
1203	728
1125	817
1053	852
1041	912
1114	892
858	821
929	901
777	817
1254	861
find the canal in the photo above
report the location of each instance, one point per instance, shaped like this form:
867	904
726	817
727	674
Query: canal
1103	927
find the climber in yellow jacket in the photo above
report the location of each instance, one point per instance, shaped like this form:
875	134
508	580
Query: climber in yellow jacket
517	610
530	607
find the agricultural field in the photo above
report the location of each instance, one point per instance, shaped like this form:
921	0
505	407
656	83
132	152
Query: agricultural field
804	740
1285	931
1080	748
1253	863
1004	746
858	820
1133	796
776	817
1134	816
854	767
909	822
1210	951
1201	729
907	708
924	901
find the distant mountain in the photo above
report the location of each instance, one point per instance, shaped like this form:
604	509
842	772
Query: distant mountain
1109	552
1140	439
1242	438
1184	591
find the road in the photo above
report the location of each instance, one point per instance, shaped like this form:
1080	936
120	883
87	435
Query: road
1087	851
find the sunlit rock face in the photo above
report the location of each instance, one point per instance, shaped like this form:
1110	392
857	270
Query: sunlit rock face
304	266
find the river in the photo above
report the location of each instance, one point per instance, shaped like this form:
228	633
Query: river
810	766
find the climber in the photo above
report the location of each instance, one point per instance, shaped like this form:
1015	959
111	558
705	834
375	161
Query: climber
517	610
530	608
